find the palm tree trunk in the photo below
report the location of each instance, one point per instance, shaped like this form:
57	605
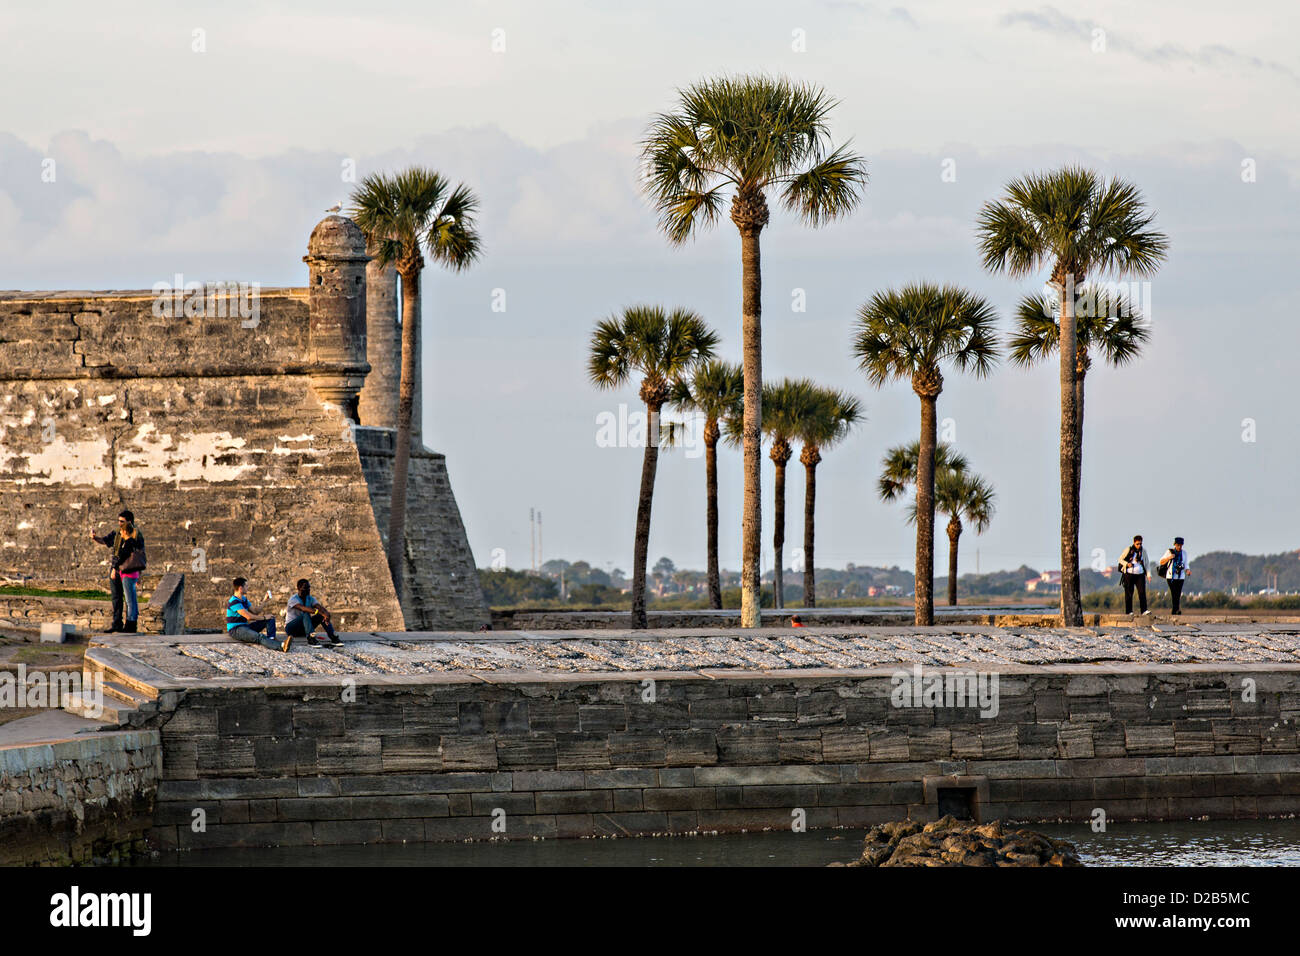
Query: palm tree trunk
1071	604
405	404
649	464
925	514
954	533
711	519
1078	445
778	537
809	510
751	427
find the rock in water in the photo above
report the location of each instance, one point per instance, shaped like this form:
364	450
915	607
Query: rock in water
953	842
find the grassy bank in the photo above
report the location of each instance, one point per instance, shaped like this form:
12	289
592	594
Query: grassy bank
18	590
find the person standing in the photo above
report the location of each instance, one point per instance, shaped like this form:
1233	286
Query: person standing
127	559
1176	567
1133	568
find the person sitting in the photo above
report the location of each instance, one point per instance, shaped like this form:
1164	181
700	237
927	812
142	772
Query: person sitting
305	614
795	622
244	624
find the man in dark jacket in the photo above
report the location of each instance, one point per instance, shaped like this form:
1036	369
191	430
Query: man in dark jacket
1133	566
122	545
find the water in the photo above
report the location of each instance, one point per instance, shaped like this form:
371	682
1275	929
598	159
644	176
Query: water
1194	843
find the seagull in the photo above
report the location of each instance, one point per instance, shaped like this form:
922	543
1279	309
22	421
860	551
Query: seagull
335	208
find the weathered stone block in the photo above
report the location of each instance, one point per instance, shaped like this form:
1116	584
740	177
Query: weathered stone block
679	798
575	801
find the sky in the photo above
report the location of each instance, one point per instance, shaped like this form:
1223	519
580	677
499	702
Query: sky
208	139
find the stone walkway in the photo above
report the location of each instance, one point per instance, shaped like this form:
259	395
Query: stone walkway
572	652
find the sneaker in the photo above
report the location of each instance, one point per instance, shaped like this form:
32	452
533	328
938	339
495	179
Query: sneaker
312	642
1146	613
288	639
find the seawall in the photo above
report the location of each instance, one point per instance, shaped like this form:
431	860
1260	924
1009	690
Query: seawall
76	800
483	755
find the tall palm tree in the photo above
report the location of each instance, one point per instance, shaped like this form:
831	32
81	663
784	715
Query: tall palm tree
822	428
405	215
715	389
1079	227
962	495
1104	322
659	346
908	334
743	136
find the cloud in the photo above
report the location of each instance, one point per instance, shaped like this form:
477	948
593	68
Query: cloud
1213	57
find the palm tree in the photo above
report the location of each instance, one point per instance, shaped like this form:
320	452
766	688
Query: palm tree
908	334
1107	323
715	389
898	468
960	494
824	427
957	493
786	406
406	215
661	347
745	135
1078	227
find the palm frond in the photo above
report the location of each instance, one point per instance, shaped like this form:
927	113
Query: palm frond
413	210
741	134
902	333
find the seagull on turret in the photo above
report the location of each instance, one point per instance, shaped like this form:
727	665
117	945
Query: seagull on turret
335	208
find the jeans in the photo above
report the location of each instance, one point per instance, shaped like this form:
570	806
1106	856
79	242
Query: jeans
132	606
248	632
1132	581
116	590
298	626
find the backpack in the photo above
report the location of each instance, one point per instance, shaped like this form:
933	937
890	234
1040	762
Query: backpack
1163	569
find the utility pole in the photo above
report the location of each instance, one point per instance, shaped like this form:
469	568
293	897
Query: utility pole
539	539
532	538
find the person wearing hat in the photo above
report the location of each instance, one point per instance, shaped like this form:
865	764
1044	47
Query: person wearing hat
1175	564
1133	574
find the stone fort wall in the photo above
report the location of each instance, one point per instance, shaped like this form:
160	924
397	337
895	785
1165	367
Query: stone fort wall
229	437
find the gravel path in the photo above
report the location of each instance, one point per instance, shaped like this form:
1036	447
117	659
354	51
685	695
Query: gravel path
565	652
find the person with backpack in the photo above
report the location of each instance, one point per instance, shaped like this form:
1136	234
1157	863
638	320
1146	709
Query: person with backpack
1133	571
127	560
1174	568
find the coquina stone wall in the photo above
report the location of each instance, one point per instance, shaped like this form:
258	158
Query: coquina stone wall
427	758
224	421
77	800
27	613
441	586
211	433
